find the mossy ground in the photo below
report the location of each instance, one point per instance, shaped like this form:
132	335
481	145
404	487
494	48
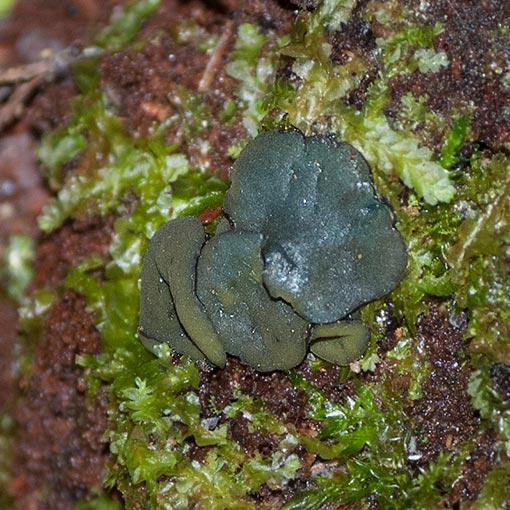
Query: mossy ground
399	429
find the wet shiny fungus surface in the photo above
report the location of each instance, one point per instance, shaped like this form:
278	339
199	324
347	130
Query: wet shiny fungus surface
305	241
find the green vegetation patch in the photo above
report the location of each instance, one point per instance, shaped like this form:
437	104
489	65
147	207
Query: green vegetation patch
455	222
479	256
315	102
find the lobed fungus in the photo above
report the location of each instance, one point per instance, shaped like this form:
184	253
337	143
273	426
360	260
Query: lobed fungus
305	242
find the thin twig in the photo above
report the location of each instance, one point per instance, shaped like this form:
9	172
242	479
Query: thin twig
215	61
14	107
25	80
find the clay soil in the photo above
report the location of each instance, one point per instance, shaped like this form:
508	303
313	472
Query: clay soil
59	428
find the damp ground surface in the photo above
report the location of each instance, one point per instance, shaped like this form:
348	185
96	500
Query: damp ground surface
58	451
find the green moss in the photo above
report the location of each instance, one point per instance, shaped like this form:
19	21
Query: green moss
98	501
125	25
6	456
494	410
17	267
390	488
454	141
188	31
404	50
315	102
478	256
494	494
158	416
411	357
495	413
427	233
374	439
460	251
59	147
254	71
6	7
457	244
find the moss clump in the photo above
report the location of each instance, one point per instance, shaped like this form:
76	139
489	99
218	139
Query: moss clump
17	268
158	418
254	71
478	257
316	102
125	25
453	213
374	441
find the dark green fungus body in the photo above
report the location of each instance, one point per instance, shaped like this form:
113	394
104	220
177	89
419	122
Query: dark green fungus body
305	242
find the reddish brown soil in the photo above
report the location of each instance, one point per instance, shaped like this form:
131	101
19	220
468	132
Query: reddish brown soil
440	421
59	453
444	418
8	333
476	45
76	242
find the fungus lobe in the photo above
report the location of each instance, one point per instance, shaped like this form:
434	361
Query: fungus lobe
304	243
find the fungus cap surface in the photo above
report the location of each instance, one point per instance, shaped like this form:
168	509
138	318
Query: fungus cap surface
264	333
329	242
169	309
305	242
